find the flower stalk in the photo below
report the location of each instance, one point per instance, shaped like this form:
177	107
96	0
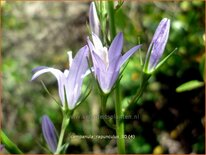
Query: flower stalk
103	106
65	123
145	78
110	7
119	122
118	104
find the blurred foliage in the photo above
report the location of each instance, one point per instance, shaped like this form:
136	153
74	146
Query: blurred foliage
40	33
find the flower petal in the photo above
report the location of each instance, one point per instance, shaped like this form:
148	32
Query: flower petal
69	53
90	45
74	80
88	72
127	55
116	47
113	79
38	68
66	73
59	76
49	133
93	19
96	59
107	79
98	45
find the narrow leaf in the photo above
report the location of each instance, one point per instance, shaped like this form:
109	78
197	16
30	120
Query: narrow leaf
9	145
190	85
165	59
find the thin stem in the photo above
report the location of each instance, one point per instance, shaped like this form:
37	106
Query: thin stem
47	91
145	78
118	105
111	19
65	123
119	122
103	104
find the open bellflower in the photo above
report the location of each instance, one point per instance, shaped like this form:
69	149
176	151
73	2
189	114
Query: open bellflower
69	81
107	62
157	46
93	19
49	133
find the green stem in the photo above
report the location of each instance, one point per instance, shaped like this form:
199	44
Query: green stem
119	122
145	78
118	105
103	104
111	12
65	123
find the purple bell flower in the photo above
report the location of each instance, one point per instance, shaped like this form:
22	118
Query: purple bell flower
157	46
107	62
69	81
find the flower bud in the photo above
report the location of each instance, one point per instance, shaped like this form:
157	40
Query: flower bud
49	133
157	46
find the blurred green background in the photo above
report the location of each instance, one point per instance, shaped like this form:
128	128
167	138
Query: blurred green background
40	33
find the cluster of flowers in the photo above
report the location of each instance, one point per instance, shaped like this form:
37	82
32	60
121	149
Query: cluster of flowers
107	63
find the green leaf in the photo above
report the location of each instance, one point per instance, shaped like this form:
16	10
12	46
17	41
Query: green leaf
8	144
190	85
63	149
165	59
